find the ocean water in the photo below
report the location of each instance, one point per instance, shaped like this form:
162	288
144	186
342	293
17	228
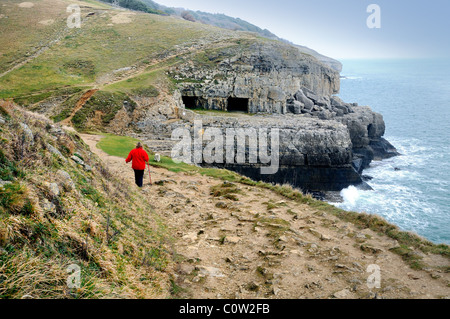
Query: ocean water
412	190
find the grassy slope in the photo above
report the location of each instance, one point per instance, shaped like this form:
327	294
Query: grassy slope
85	55
119	146
96	221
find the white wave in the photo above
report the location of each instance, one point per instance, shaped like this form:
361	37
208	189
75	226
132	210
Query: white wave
351	78
350	195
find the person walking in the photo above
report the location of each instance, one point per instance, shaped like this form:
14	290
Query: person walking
139	157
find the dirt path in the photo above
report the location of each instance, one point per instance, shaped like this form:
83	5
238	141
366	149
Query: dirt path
261	245
81	102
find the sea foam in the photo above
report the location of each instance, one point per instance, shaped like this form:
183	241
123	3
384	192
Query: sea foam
350	195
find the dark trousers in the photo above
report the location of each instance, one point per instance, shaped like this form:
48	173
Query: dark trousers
139	177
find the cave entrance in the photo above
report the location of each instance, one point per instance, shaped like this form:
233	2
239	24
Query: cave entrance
237	105
191	102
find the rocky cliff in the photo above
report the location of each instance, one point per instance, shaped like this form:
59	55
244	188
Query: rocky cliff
260	76
314	154
325	143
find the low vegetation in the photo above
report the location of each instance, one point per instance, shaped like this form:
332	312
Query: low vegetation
55	212
119	146
136	5
226	190
100	110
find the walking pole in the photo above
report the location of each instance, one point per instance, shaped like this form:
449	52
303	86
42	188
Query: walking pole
149	175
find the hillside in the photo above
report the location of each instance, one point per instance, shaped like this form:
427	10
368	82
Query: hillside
134	42
60	205
236	24
123	55
76	57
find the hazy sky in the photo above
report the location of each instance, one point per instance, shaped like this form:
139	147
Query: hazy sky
337	28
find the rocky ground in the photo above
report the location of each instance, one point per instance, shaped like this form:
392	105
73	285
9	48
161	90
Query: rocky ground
258	244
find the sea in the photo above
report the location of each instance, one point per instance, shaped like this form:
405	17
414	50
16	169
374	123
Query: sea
411	191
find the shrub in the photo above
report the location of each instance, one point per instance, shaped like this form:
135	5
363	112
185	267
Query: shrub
226	190
3	112
80	67
66	107
186	15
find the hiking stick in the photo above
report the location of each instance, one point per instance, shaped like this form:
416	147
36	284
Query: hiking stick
149	175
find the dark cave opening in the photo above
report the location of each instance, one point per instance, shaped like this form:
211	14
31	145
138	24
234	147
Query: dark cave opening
191	102
237	105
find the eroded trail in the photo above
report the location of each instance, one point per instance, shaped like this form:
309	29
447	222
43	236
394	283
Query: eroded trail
81	102
257	244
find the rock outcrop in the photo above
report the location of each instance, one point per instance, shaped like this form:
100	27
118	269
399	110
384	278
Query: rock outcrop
256	77
324	142
313	154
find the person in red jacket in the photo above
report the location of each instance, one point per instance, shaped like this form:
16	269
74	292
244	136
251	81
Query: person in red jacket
139	157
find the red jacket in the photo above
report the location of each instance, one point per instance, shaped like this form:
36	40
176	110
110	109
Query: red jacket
139	158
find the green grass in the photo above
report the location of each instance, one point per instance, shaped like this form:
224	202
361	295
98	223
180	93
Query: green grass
210	112
220	113
8	169
271	205
14	200
119	146
138	83
144	84
412	259
31	99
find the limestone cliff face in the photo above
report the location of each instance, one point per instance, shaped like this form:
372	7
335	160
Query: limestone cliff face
324	143
314	154
266	75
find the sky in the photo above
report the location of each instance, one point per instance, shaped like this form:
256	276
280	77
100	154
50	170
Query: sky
338	28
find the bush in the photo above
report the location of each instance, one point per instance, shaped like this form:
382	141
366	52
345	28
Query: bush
3	112
226	190
80	67
186	15
136	5
66	107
